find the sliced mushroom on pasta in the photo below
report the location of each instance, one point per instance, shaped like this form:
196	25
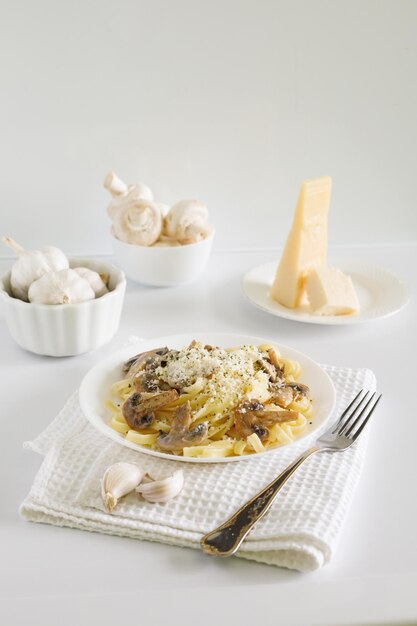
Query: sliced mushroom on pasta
203	400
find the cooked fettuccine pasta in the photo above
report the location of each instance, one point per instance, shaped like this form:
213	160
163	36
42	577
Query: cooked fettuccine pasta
205	401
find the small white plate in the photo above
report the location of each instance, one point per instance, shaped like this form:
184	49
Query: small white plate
380	294
94	389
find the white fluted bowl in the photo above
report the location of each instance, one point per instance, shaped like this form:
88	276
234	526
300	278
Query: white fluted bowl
163	266
66	329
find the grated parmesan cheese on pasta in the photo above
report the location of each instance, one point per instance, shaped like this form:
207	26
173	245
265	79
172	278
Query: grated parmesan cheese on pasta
232	376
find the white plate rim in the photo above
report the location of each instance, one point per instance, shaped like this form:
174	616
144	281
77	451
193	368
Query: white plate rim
91	405
334	320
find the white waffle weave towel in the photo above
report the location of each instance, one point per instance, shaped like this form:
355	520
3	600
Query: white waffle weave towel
300	532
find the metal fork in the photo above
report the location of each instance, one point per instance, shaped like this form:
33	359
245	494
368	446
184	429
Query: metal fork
227	538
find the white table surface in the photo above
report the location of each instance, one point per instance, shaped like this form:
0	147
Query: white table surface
61	576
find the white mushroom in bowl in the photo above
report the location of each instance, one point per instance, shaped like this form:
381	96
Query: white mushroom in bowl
121	192
187	222
137	219
138	222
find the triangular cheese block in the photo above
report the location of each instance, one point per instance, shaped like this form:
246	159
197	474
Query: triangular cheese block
306	245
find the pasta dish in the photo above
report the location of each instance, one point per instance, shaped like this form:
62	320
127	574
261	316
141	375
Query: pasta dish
206	401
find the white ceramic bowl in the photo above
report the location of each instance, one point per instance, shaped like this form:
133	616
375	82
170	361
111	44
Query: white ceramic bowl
163	266
66	329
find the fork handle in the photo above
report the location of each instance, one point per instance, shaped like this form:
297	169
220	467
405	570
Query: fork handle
226	539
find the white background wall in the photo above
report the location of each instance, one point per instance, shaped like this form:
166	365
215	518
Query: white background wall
232	102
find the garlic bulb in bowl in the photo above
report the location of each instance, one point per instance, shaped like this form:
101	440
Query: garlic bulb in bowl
73	327
97	281
63	287
32	265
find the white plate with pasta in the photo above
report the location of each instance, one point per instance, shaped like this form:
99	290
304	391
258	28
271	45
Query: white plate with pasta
207	398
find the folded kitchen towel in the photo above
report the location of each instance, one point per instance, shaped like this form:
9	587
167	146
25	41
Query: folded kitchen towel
300	532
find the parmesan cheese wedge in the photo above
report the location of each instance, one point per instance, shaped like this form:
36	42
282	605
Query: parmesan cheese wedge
306	245
331	292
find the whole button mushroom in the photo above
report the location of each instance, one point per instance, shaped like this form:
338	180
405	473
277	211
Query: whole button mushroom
138	222
187	221
121	193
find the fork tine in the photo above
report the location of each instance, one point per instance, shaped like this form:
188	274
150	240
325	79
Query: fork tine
348	427
336	426
346	423
364	422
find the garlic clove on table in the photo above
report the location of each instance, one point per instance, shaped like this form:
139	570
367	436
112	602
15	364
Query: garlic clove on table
98	282
31	265
119	479
63	287
163	489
